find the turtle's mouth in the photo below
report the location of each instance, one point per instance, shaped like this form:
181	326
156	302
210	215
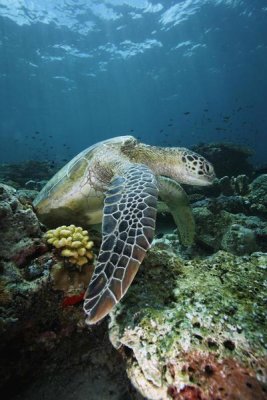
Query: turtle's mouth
211	179
204	180
208	180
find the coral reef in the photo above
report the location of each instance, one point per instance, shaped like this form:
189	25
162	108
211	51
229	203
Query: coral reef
73	243
235	185
37	292
227	186
196	329
27	174
237	233
223	222
258	195
234	221
192	325
227	158
20	229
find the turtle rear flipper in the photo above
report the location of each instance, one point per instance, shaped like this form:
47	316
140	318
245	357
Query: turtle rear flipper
127	229
177	201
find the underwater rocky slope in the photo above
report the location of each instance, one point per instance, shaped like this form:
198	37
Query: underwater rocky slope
192	325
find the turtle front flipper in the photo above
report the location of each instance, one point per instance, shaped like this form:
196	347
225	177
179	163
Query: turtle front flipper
127	232
177	201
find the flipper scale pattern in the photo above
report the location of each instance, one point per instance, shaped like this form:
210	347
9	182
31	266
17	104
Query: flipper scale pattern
127	229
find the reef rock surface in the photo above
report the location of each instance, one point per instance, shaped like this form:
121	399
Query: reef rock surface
195	329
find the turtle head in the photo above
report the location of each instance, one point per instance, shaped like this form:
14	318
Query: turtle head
193	169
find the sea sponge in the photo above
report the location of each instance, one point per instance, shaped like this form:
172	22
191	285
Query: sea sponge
71	242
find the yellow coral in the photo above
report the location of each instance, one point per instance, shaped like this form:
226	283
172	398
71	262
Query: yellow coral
72	242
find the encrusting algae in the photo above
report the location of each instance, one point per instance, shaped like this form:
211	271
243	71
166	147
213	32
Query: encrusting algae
72	242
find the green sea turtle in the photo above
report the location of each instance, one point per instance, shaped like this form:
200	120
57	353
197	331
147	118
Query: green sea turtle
118	182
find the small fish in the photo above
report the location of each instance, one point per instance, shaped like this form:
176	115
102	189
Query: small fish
161	130
131	130
186	112
206	109
169	124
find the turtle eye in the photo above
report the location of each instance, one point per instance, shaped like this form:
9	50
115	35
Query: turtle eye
207	168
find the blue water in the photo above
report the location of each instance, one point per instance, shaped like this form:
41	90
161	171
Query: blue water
73	72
